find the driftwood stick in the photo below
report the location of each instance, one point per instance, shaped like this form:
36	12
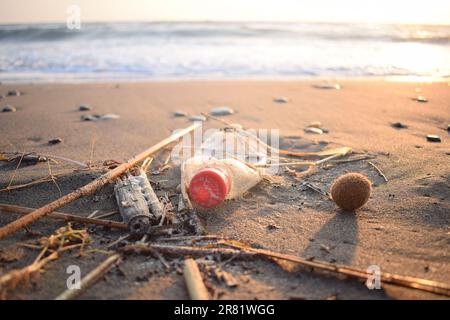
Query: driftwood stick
194	281
91	278
92	186
183	250
65	216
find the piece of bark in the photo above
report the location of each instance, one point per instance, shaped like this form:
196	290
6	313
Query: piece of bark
194	281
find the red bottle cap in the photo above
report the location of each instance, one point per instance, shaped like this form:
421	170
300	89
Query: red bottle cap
209	187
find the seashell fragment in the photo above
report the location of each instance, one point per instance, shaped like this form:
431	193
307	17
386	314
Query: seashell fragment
221	111
9	108
433	138
328	85
421	99
198	118
109	116
313	130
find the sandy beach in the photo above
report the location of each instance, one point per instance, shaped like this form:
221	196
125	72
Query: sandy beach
404	228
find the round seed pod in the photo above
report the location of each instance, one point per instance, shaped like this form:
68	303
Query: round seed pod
351	191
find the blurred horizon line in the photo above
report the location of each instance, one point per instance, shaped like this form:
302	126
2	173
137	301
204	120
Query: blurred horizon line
228	22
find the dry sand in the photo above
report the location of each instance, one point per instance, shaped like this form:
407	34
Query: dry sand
404	228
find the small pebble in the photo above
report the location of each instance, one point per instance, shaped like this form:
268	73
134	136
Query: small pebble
328	85
313	130
180	114
421	99
85	107
433	138
399	125
13	93
221	111
55	141
281	100
197	118
448	128
9	108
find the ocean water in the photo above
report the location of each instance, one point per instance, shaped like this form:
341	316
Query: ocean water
142	51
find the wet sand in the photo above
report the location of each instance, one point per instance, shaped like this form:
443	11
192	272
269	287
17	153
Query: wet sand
404	228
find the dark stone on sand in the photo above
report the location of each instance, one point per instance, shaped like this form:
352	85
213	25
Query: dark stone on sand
448	128
13	93
399	125
85	107
89	117
9	108
281	100
180	113
55	141
433	138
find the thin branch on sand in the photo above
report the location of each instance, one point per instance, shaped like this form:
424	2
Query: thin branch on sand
65	217
93	186
15	170
91	278
378	170
52	177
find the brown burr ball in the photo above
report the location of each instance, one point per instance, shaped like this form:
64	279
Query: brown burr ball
351	191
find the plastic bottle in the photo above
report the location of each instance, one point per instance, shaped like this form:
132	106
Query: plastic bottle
210	181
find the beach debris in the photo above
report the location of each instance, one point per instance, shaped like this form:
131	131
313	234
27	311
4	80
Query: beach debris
180	113
84	107
11	253
9	108
93	186
13	93
92	277
96	117
21	160
313	130
135	197
221	111
226	277
65	238
433	138
421	99
351	191
239	250
399	125
281	100
328	85
378	170
198	118
194	281
55	141
448	128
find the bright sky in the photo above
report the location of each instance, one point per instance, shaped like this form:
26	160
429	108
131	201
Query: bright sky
384	11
